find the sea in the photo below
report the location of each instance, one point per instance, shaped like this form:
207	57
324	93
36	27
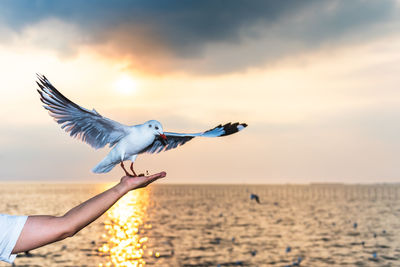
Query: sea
219	225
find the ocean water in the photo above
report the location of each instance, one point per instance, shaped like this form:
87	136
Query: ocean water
219	225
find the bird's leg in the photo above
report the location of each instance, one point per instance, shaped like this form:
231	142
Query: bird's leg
134	173
126	172
141	174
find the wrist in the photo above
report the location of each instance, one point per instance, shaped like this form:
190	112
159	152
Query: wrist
121	188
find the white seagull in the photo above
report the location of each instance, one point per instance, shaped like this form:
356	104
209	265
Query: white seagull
127	141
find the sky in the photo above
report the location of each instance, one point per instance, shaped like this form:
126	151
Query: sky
316	81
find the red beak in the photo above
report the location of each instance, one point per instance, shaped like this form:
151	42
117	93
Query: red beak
163	136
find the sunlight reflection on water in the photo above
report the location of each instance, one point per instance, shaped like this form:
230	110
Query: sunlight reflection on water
124	243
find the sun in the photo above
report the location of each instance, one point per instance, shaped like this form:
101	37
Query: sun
125	85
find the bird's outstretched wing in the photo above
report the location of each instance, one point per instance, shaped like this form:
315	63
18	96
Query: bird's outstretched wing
177	139
86	125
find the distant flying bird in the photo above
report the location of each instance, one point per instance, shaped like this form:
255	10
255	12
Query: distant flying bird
256	197
127	141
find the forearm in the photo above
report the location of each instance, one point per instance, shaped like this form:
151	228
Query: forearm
42	230
88	211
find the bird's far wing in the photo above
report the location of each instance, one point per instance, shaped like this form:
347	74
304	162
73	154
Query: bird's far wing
86	125
177	139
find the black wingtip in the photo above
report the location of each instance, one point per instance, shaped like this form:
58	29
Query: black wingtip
231	128
228	128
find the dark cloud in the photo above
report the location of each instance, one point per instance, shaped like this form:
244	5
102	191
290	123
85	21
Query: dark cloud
178	23
213	35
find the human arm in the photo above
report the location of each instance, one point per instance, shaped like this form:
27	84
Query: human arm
43	229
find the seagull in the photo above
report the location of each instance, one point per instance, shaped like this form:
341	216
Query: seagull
256	197
127	142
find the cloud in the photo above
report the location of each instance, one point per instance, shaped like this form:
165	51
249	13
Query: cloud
201	36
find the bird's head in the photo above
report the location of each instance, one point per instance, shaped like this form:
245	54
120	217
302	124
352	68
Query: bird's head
156	128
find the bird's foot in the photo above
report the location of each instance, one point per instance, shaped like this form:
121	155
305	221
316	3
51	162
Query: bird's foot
134	173
142	174
126	172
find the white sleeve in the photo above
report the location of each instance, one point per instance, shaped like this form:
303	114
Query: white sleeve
10	229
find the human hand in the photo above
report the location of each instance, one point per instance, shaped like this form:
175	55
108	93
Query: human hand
130	183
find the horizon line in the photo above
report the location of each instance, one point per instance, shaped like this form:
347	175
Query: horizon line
194	184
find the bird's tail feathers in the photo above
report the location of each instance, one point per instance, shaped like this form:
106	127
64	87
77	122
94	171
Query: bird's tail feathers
104	166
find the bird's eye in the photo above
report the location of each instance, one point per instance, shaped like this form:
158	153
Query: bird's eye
156	127
149	125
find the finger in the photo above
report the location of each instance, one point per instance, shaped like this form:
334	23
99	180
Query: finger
157	175
146	180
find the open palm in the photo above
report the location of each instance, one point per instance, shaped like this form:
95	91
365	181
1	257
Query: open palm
141	181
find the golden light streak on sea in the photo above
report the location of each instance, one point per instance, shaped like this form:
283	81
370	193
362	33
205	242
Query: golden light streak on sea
124	245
